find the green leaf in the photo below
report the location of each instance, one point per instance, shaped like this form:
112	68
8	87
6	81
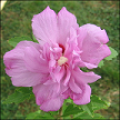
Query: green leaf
46	115
25	89
84	69
14	41
97	116
82	115
17	97
34	39
39	115
34	115
54	113
98	104
69	100
87	108
70	110
101	64
85	115
114	54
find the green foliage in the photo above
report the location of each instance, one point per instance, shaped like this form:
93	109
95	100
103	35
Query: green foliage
114	54
19	95
33	38
34	115
101	64
87	111
88	108
85	115
98	104
39	114
14	41
71	110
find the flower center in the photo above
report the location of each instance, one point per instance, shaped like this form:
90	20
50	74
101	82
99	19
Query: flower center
62	60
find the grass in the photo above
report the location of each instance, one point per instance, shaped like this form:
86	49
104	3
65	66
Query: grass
16	21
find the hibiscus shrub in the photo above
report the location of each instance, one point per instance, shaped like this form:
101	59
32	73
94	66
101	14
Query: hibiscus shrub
50	66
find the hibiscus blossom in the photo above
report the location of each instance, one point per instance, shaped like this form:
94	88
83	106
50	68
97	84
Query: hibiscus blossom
53	66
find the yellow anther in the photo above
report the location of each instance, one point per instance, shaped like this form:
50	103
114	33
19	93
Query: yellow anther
62	60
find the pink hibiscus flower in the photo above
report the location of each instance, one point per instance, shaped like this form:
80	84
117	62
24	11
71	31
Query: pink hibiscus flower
52	66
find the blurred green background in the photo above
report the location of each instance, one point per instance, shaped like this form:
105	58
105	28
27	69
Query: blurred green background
16	21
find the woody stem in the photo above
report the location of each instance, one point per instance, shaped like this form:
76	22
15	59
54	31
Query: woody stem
60	113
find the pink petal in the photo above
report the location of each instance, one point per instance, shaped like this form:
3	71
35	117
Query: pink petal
88	65
66	78
79	90
46	52
86	77
74	87
75	59
81	96
66	20
94	32
44	26
73	35
84	98
33	62
24	78
24	44
58	74
95	56
56	53
16	69
46	91
92	43
52	104
65	94
12	56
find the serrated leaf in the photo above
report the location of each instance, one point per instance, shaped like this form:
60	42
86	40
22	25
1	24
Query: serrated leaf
87	108
14	41
70	110
101	64
114	54
98	104
17	97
